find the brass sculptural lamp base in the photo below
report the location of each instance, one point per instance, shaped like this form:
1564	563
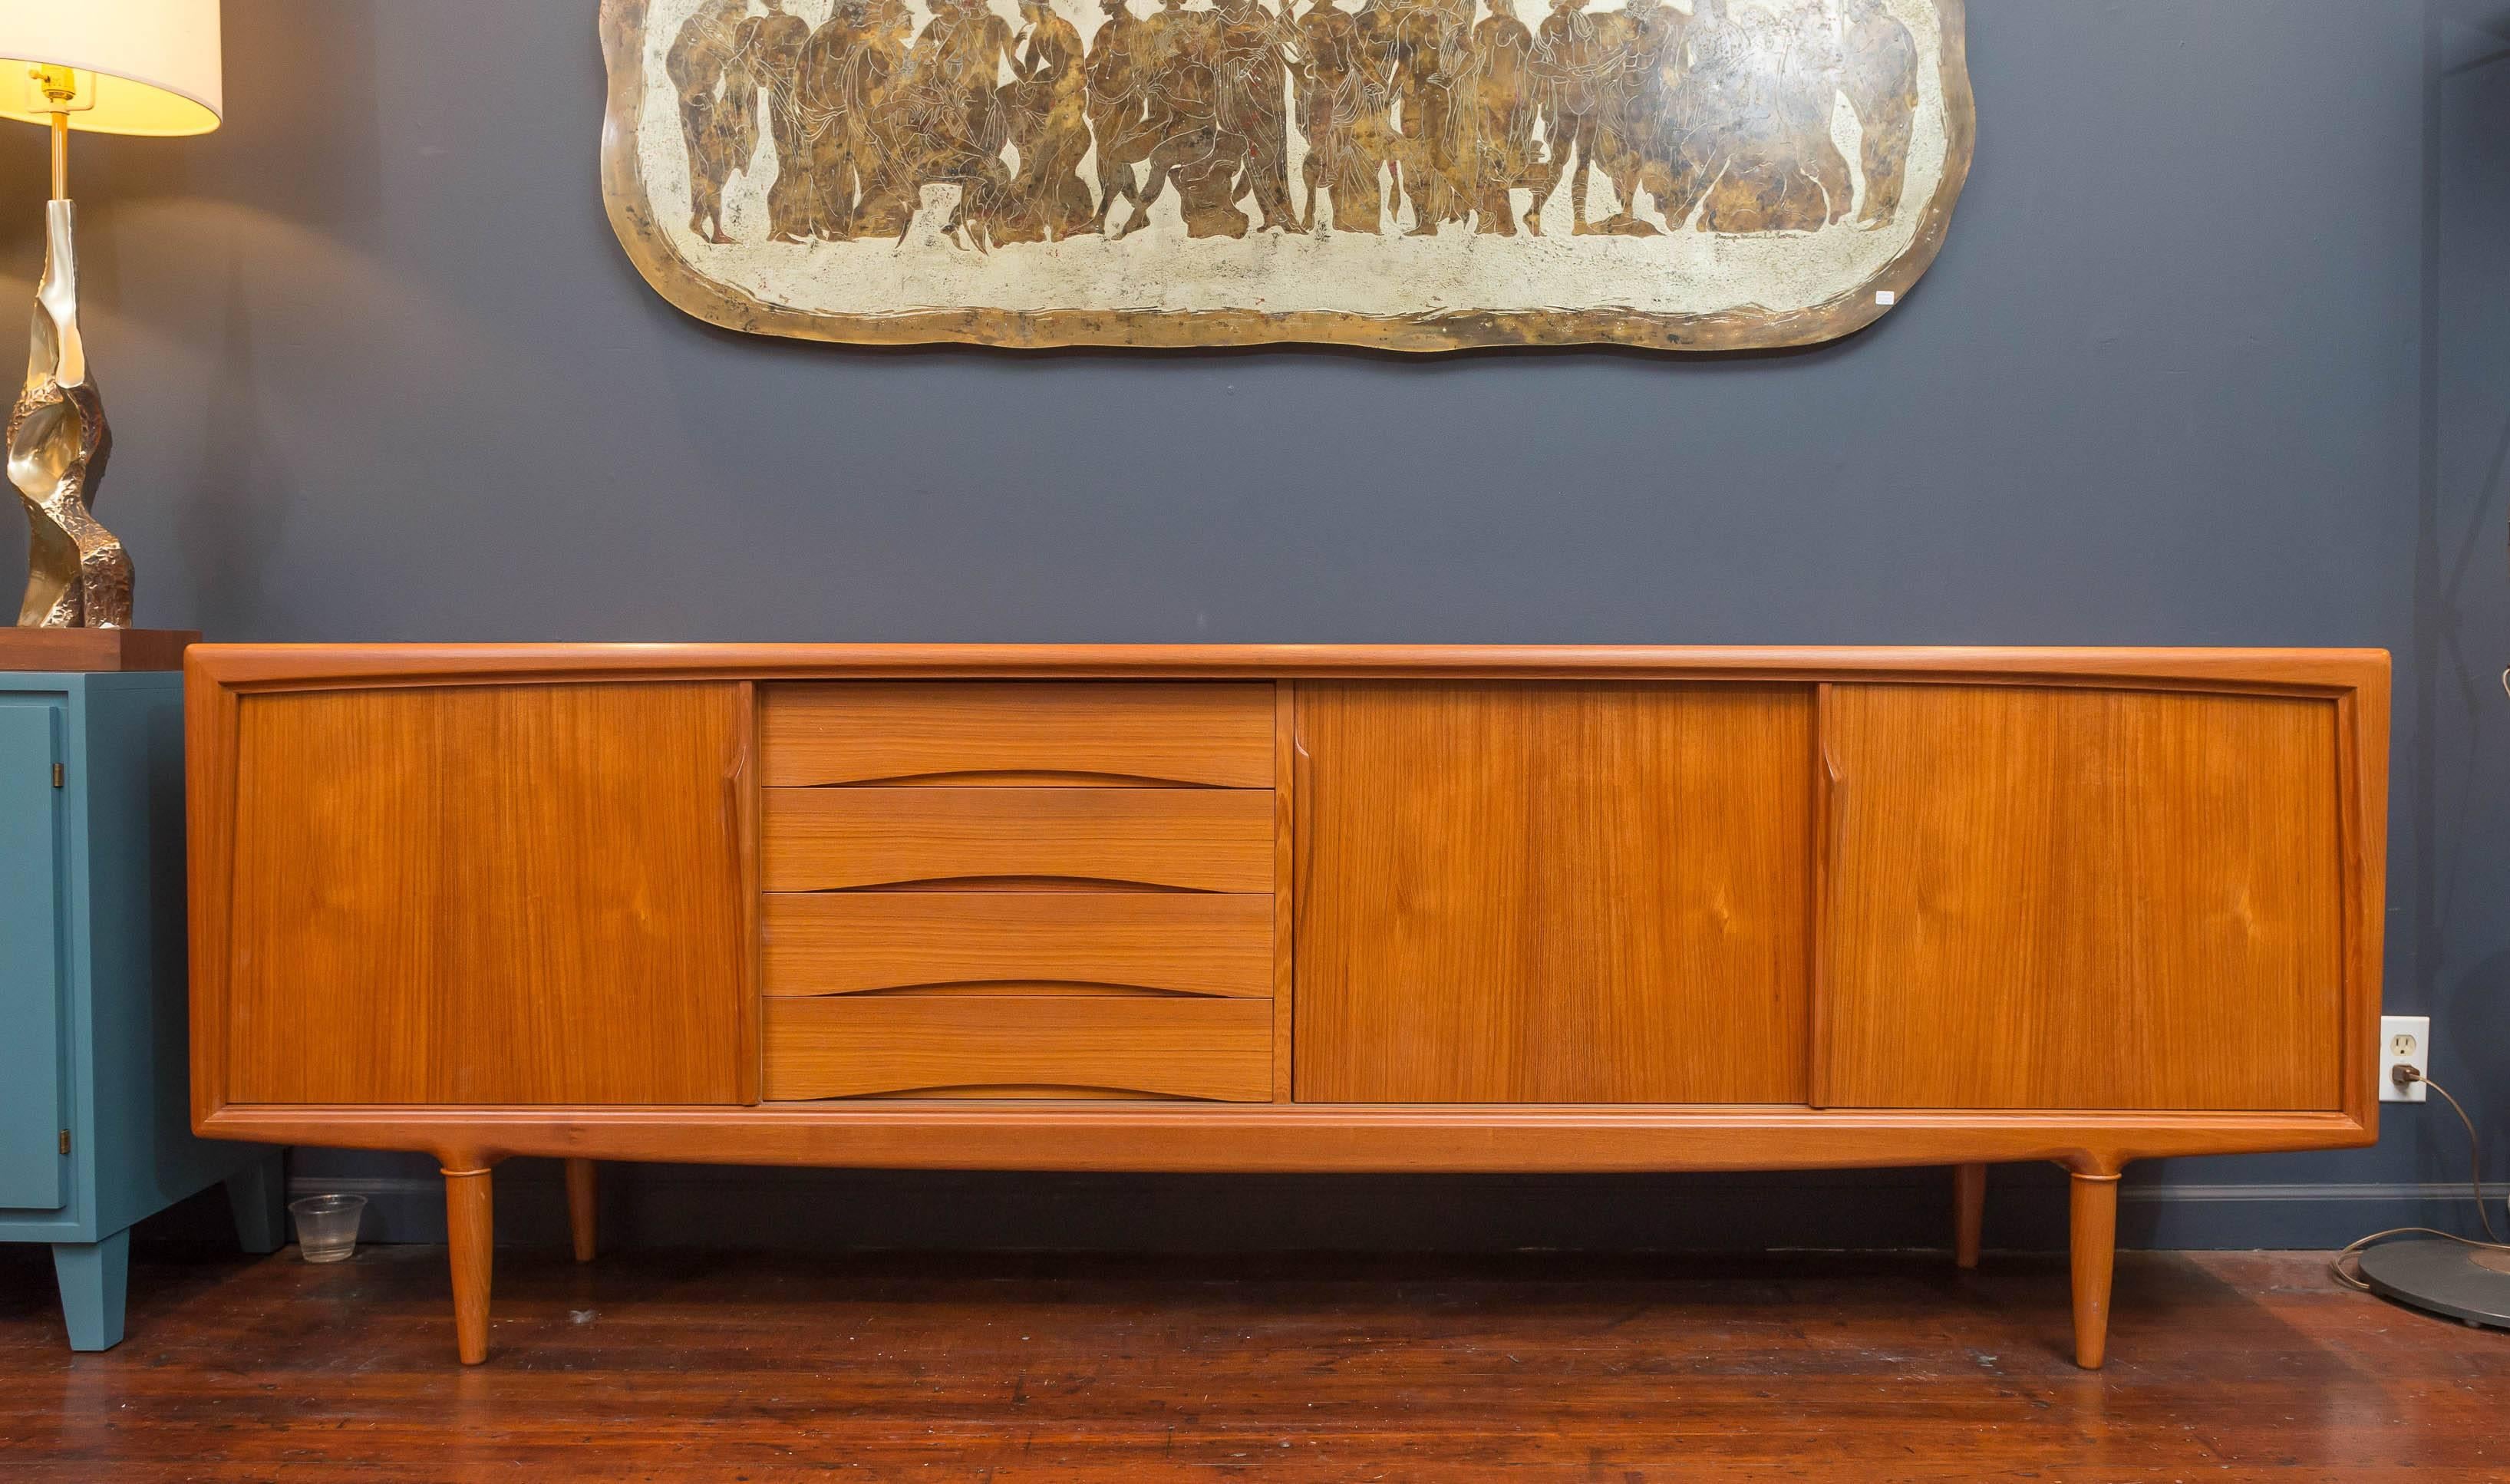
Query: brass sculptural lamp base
77	573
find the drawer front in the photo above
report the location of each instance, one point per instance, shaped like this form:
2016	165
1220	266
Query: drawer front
848	943
1200	839
1018	732
1048	1045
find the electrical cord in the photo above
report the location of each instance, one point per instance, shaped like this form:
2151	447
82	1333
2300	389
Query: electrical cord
2492	1243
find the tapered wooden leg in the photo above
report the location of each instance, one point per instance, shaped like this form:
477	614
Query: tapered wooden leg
2095	1249
470	1231
1969	1211
583	1208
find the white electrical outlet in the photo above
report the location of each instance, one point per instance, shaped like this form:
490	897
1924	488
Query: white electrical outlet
2405	1041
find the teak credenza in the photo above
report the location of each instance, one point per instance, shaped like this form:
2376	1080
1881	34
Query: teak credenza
1274	908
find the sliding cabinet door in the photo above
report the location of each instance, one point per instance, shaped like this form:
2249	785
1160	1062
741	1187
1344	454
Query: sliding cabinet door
1553	892
528	894
2080	898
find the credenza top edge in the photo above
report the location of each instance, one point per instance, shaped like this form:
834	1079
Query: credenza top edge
249	667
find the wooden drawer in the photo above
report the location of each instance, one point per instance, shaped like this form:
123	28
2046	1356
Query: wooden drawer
1018	732
1202	839
845	942
998	1046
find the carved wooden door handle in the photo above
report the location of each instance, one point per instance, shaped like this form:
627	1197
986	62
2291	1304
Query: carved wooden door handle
1303	814
731	833
1834	809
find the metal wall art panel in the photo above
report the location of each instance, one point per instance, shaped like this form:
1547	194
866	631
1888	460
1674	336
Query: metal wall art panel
1412	175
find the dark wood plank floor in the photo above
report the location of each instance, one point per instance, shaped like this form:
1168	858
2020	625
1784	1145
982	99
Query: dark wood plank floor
683	1367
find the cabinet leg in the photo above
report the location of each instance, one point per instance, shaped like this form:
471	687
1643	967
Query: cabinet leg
583	1208
2094	1250
469	1232
1969	1211
95	1278
258	1193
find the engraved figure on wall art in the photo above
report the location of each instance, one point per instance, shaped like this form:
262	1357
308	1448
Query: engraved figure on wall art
1807	96
1342	118
1257	54
1421	50
1629	146
1198	114
1505	157
1119	104
1069	151
947	124
1883	90
709	70
1049	119
773	47
1577	70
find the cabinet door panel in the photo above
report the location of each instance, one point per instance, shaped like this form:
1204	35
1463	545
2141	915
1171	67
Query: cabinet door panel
31	956
2051	899
1553	892
492	894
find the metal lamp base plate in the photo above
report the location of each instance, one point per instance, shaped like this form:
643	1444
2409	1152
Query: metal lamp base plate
2467	1283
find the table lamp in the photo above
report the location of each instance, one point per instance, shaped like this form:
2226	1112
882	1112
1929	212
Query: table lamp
103	66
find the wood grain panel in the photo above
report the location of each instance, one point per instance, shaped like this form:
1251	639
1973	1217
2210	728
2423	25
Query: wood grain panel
1554	894
1280	1138
1445	1368
94	648
2316	672
1286	897
843	942
1200	839
524	894
224	680
853	1046
2078	900
871	732
743	783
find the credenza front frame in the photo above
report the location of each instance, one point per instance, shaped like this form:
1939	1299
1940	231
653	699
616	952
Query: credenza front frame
1284	1136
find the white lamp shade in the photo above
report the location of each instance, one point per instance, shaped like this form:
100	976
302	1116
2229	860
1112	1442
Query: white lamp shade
157	62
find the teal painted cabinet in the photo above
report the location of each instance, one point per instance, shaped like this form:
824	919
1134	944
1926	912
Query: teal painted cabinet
95	1085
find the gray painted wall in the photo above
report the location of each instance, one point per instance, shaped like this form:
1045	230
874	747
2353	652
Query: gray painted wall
2209	357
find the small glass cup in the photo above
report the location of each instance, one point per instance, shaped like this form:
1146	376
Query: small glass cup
326	1227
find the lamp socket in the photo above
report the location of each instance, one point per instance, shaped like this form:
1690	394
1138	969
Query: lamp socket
2405	1041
